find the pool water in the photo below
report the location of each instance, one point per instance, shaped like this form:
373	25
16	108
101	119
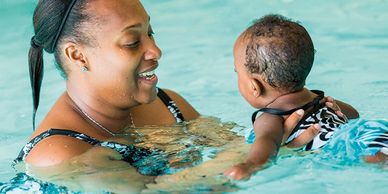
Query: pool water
197	38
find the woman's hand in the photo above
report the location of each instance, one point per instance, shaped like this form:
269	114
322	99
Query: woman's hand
310	132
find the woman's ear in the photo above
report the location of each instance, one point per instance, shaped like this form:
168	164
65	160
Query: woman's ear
75	55
256	87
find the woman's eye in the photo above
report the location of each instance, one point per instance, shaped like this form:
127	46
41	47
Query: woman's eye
133	45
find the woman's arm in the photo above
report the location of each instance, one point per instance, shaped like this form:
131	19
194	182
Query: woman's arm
95	171
55	150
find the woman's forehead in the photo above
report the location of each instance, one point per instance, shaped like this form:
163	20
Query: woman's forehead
116	12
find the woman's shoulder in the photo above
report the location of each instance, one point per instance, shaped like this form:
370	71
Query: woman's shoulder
61	135
63	116
55	149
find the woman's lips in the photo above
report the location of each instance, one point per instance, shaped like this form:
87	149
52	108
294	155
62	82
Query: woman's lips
148	76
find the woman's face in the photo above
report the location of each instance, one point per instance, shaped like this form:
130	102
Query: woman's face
123	60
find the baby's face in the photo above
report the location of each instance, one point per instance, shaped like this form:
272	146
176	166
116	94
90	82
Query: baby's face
243	76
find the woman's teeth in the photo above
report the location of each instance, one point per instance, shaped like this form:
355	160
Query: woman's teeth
147	75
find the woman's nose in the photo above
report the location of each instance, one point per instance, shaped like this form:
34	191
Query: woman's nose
152	52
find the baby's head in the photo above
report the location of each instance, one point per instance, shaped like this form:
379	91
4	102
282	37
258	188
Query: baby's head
272	57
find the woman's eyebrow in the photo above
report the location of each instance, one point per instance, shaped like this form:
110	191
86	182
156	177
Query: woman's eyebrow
138	25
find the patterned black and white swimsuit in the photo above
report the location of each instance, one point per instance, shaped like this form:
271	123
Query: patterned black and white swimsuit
129	153
358	139
320	114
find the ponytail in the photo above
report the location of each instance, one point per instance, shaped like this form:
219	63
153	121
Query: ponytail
54	20
35	62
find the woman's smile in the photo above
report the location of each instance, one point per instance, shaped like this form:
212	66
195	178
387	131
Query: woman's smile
148	76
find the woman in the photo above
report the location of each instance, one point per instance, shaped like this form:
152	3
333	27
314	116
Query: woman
107	53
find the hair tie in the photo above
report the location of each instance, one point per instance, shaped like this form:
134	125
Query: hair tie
34	43
60	29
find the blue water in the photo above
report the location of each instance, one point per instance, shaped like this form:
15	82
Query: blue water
196	37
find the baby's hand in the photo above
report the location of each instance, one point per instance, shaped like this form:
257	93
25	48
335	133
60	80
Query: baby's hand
240	171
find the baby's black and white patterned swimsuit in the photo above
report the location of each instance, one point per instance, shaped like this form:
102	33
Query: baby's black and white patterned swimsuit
319	114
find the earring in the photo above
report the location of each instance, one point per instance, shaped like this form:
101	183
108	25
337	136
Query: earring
84	69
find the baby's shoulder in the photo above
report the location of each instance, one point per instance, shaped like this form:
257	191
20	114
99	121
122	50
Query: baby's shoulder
266	120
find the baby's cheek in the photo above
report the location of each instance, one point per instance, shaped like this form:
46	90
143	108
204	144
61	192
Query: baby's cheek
243	90
240	85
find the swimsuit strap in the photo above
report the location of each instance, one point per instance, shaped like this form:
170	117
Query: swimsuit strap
315	102
171	106
28	147
129	153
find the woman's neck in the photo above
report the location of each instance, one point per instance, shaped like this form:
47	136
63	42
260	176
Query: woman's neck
97	110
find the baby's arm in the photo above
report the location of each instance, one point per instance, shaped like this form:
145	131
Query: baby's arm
269	132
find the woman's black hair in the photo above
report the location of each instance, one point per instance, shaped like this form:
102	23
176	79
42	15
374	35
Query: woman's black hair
54	21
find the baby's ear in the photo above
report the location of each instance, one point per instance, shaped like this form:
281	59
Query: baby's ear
256	87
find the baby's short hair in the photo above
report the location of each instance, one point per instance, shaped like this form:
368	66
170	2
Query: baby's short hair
280	50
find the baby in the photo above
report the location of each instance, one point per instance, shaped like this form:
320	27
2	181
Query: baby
272	59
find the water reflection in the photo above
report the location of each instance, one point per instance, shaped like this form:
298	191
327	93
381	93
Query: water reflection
194	154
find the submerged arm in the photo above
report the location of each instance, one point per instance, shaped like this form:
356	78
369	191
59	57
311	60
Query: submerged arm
97	170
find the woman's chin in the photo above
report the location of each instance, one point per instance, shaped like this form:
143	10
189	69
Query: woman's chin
148	95
148	89
153	96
